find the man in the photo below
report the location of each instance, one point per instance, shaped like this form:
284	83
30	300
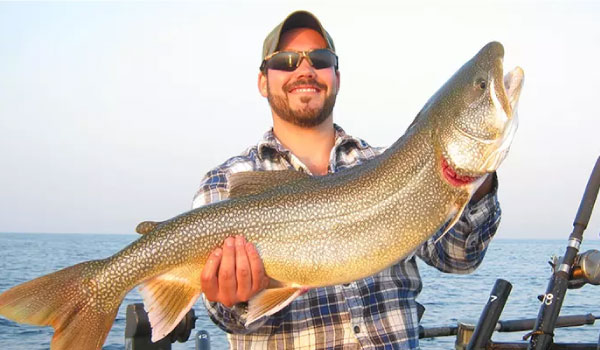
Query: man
300	78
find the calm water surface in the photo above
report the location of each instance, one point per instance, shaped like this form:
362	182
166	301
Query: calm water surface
447	297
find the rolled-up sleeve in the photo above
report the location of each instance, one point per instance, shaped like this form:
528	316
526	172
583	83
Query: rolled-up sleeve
232	320
463	247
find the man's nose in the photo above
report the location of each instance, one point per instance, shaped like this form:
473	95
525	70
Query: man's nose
305	69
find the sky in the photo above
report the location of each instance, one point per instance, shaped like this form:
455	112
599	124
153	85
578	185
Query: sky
111	112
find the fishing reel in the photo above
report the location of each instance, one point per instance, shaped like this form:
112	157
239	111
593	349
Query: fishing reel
585	269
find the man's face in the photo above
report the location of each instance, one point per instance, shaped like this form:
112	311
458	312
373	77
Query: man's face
306	96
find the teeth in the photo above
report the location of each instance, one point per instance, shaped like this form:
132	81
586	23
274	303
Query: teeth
305	90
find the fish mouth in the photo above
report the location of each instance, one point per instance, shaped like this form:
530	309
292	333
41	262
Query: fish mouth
511	86
506	89
513	83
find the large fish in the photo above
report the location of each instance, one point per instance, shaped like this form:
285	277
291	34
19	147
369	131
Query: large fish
310	231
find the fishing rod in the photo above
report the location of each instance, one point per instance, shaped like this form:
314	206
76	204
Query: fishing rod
571	271
543	332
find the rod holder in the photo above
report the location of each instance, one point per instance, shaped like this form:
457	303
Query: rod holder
490	315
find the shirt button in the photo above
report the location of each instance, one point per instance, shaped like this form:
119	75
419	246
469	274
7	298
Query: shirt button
356	329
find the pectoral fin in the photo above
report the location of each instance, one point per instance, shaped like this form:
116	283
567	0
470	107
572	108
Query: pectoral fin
460	205
270	301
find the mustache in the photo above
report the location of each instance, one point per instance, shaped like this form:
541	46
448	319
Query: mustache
304	82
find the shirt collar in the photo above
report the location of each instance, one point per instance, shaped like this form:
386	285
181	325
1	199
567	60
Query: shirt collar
270	143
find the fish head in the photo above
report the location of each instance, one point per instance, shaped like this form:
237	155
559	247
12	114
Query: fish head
475	115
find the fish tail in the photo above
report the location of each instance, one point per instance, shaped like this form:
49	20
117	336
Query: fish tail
68	300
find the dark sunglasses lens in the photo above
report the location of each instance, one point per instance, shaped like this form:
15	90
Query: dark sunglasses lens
322	58
284	61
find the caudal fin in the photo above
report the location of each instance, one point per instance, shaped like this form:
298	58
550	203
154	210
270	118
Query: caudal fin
68	301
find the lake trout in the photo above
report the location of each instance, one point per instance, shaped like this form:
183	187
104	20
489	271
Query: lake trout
310	231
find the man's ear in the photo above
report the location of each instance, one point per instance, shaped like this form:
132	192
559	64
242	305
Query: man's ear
337	74
262	84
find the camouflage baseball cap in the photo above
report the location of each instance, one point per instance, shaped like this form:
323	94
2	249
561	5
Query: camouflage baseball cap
297	19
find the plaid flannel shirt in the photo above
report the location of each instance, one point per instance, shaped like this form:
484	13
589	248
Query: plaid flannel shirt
378	312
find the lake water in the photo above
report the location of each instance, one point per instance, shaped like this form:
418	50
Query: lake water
447	297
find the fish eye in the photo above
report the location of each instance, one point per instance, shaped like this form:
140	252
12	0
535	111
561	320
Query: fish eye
481	83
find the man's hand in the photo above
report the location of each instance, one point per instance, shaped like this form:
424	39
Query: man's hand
233	273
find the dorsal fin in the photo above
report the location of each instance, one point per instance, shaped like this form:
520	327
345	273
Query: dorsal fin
252	182
146	227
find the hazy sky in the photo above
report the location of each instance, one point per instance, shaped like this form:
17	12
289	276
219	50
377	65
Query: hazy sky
110	113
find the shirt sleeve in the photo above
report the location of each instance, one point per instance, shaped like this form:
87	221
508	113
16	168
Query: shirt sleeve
233	319
463	247
213	188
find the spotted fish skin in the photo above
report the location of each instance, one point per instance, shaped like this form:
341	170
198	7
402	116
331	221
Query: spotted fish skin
309	231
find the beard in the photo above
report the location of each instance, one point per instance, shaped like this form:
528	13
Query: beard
304	116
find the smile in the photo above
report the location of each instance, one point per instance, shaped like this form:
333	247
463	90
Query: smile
302	89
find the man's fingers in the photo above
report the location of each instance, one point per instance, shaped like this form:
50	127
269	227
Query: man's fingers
233	273
209	279
227	282
260	280
242	270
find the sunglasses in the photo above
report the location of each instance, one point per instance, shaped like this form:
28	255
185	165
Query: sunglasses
290	60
